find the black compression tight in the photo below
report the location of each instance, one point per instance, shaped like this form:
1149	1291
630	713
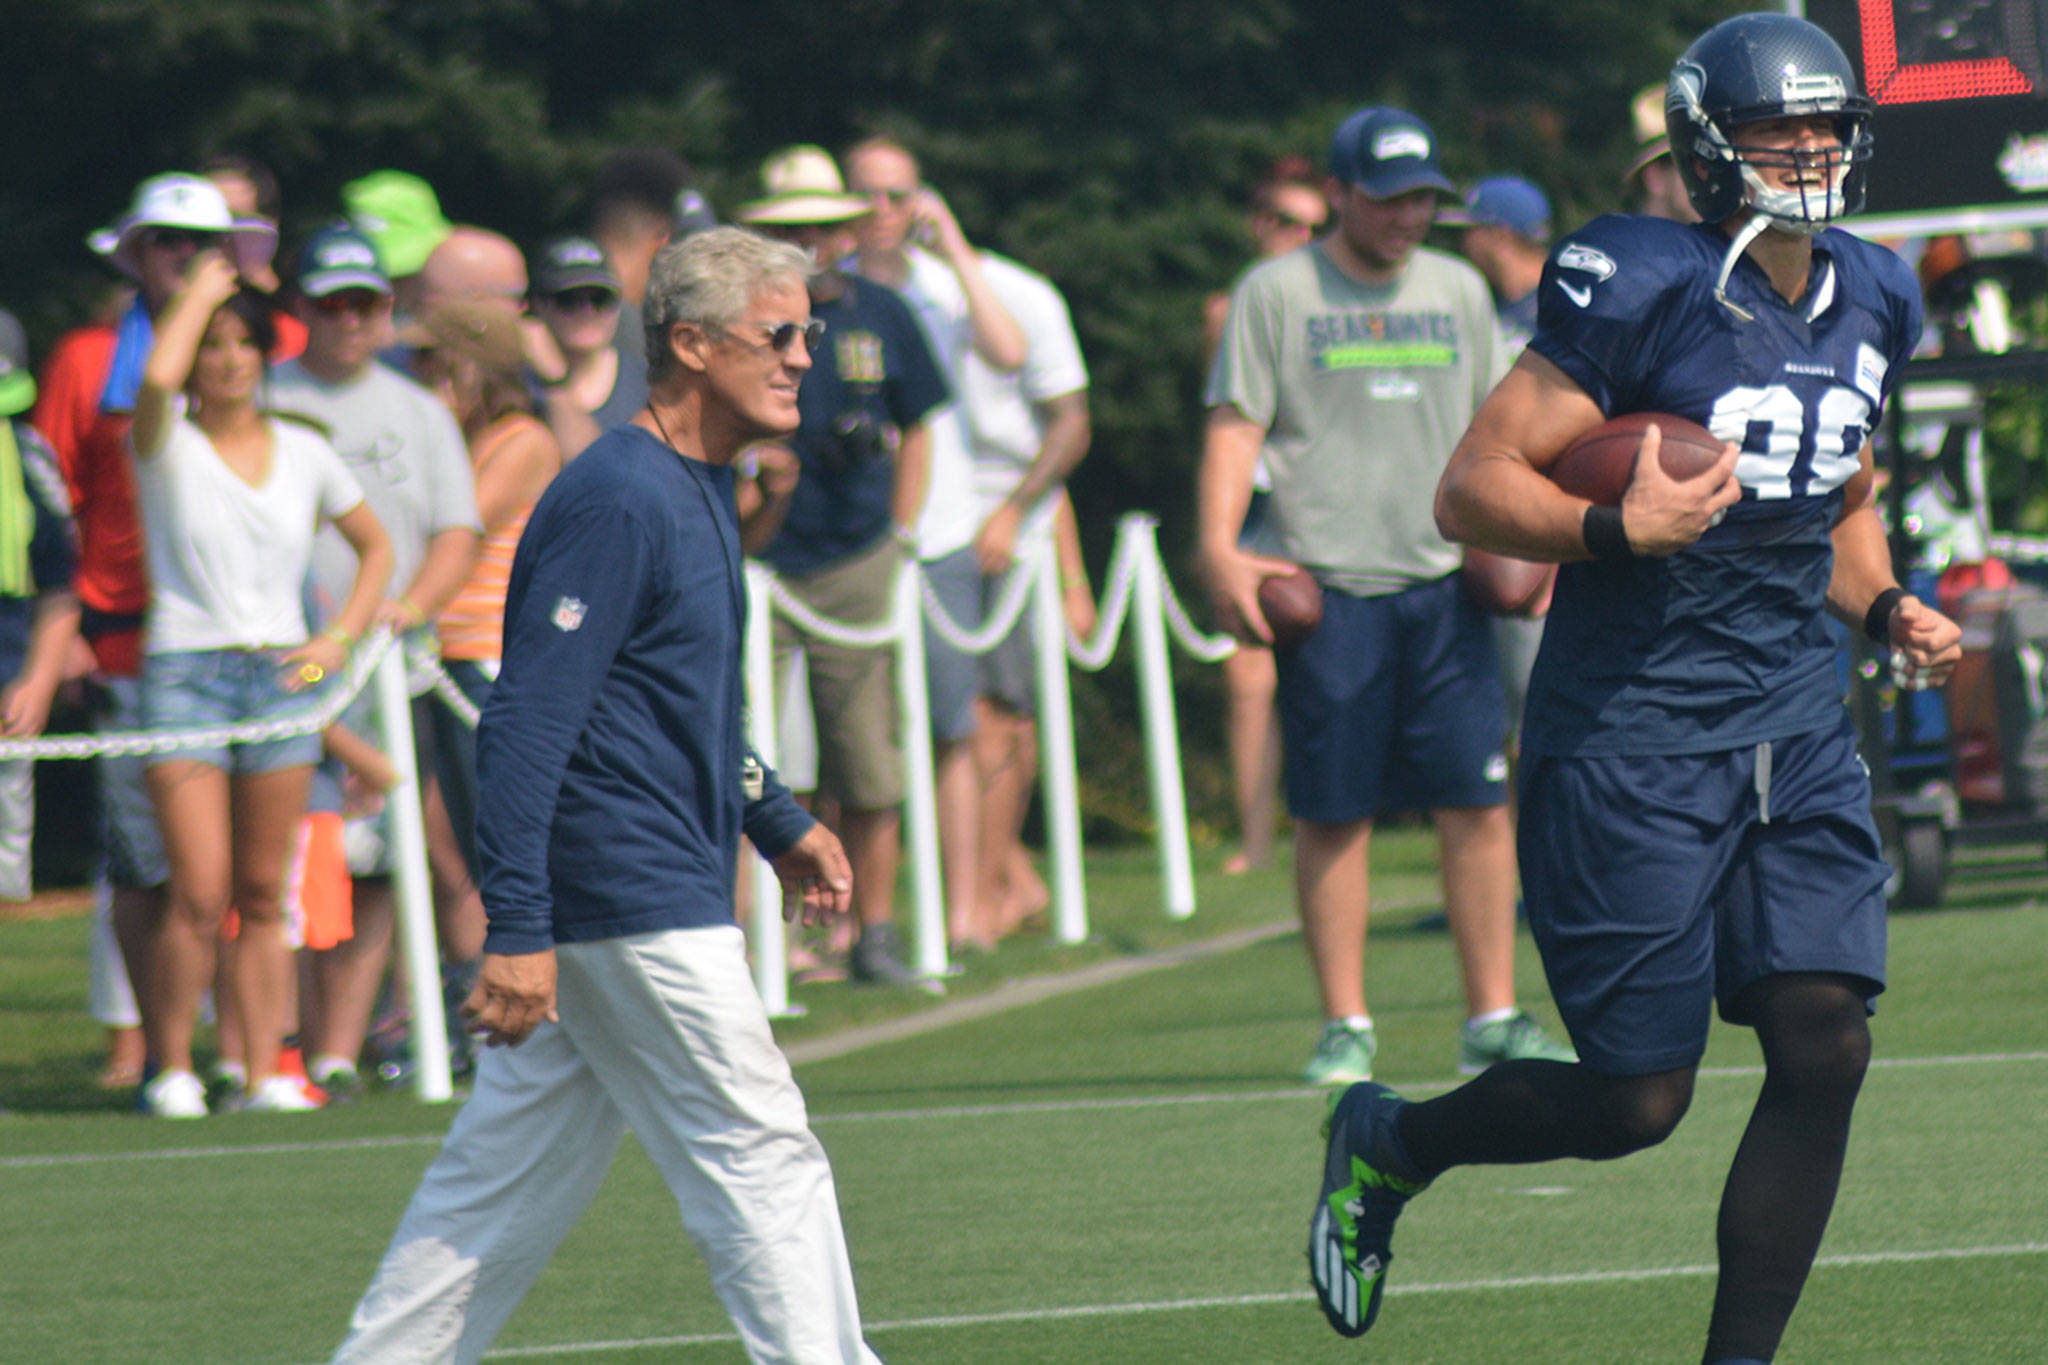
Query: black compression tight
1781	1187
1816	1042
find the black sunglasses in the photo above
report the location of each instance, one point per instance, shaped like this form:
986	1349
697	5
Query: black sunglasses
1289	220
782	336
362	302
169	237
595	299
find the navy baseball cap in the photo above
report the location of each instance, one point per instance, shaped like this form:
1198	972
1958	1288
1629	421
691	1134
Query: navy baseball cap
573	263
340	258
1503	201
1386	152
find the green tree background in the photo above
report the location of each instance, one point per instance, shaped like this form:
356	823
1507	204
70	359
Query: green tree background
1109	144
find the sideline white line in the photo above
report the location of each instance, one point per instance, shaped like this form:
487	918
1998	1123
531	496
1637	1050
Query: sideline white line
959	1111
1105	1310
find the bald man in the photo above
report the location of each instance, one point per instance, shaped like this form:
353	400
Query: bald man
474	262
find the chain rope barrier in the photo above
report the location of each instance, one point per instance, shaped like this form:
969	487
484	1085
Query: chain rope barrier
1008	610
312	720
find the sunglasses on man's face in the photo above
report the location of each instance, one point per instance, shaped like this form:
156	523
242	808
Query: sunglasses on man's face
173	238
362	303
893	198
574	300
784	335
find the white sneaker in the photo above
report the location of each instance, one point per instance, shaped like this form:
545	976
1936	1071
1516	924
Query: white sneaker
279	1095
175	1095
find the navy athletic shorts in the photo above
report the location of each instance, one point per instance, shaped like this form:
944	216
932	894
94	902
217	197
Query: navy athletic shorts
1393	704
1659	885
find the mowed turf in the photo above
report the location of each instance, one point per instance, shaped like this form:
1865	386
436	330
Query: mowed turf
1123	1174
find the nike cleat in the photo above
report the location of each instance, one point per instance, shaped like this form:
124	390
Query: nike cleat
1350	1235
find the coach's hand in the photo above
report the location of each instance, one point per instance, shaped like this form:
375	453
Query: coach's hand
1663	515
514	992
817	881
1927	644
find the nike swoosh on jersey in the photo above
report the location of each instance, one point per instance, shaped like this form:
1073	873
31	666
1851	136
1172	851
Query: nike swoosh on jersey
1582	295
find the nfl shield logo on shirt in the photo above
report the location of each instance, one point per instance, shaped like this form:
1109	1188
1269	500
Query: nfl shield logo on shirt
568	614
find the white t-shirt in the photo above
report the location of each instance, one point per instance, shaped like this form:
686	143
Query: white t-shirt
228	558
1004	428
950	516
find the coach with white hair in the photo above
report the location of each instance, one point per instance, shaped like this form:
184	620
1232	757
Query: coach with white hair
616	784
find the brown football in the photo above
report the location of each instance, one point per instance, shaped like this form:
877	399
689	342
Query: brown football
1503	585
1293	606
1599	465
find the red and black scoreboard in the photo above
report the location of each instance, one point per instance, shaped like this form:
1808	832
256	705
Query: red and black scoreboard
1962	100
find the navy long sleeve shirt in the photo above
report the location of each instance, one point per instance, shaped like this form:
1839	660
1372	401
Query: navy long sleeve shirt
609	755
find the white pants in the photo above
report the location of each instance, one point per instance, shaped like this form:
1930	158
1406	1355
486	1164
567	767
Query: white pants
664	1032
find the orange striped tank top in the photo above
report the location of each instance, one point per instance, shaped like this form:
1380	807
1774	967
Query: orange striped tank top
473	624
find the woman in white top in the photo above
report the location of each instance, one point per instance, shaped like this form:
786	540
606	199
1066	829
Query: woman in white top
230	500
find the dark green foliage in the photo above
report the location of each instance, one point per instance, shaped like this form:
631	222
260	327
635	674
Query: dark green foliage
1110	145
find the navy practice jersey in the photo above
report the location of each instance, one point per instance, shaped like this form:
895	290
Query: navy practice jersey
1725	643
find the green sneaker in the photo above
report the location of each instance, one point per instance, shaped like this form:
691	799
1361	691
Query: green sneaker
1343	1055
1508	1040
1363	1192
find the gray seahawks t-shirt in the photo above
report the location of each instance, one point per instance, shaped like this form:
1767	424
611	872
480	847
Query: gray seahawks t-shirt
1363	391
403	446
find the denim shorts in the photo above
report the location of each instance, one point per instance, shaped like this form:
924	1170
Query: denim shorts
212	688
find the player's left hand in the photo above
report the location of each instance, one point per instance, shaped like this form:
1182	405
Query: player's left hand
1925	644
817	881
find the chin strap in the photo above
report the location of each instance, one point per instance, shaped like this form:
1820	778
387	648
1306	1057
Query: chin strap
1740	244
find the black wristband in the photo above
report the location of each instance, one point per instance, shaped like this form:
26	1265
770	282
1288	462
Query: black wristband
1604	535
1877	622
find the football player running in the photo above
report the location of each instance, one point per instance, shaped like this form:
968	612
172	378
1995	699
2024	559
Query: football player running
1696	825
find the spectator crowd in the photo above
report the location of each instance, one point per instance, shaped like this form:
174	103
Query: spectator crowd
252	459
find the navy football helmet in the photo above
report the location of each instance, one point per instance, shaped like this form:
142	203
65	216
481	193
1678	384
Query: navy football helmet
1752	68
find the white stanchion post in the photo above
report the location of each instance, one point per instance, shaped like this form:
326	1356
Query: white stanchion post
408	832
1058	776
1162	728
764	926
921	813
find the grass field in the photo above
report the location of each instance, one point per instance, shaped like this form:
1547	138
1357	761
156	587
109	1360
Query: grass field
1116	1173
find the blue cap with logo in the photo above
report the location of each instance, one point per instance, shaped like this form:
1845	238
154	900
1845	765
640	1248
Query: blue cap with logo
1504	201
340	258
1386	152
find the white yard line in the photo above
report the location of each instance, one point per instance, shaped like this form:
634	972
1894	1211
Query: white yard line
955	1111
1106	1310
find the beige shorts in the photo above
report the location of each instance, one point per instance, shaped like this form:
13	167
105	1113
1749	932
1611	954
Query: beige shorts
853	691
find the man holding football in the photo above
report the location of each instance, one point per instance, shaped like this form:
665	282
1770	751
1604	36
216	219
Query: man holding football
1351	364
1696	826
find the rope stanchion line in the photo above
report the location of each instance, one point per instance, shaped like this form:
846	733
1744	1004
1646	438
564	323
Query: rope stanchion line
1008	610
1005	614
312	720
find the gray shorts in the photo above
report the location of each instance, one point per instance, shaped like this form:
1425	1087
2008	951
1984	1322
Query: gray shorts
952	678
131	843
17	828
1009	672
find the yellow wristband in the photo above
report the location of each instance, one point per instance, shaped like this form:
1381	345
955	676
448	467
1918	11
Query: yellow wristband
419	618
339	636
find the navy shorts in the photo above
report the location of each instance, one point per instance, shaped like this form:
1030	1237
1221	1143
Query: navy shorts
1659	885
1393	704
